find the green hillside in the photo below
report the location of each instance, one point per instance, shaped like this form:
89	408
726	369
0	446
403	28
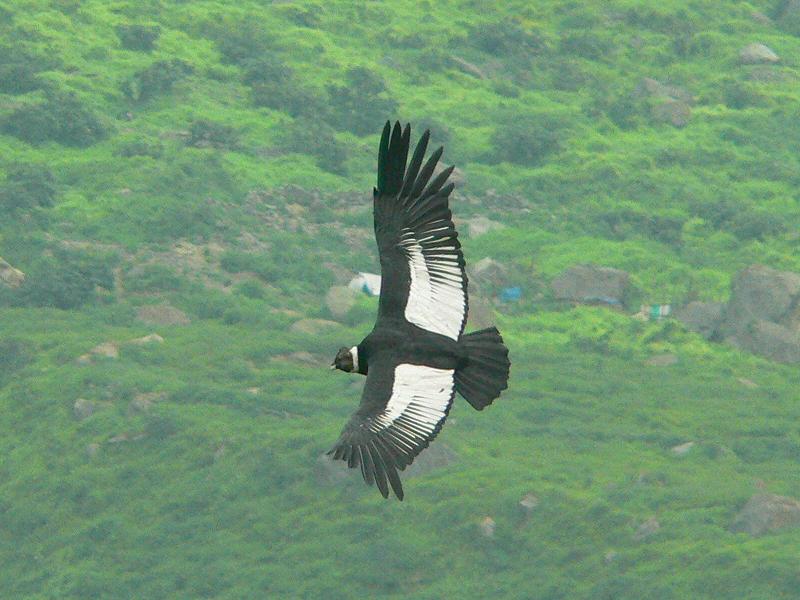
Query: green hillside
201	171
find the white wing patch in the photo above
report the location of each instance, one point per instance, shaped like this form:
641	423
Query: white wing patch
419	401
436	300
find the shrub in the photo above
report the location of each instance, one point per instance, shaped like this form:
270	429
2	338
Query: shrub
19	69
157	79
210	134
318	140
27	186
526	139
757	224
141	146
361	102
67	279
61	118
15	354
138	37
274	85
586	45
505	38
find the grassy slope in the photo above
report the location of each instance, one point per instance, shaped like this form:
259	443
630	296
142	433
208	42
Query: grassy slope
219	497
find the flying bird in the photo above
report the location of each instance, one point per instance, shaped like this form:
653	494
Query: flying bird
417	356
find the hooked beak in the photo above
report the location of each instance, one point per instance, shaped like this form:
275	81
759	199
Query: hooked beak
333	366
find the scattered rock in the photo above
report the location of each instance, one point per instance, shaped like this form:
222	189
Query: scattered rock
153	338
143	402
766	512
481	225
486	274
467	67
119	438
92	449
672	111
701	317
610	556
312	326
772	341
302	357
682	449
529	502
487	526
106	350
647	529
662	360
162	314
748	383
10	276
754	54
253	391
83	408
760	18
340	299
590	284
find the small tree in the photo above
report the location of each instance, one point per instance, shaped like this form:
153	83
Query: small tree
27	186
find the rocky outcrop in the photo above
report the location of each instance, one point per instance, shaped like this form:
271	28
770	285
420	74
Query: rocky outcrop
757	54
765	513
669	103
763	314
590	284
9	276
312	326
486	274
704	318
162	314
340	299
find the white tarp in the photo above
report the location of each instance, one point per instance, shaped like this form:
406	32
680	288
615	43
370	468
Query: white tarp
369	283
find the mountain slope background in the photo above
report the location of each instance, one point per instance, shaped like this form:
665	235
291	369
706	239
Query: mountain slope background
201	171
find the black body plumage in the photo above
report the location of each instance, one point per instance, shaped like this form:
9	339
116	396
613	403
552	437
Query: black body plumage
416	356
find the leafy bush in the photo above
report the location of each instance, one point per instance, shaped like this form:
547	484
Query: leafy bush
138	37
274	85
19	69
61	118
507	37
141	146
586	45
153	278
210	134
157	79
757	225
66	279
318	140
15	354
361	102
27	186
526	140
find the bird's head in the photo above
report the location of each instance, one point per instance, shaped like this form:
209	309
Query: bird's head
346	359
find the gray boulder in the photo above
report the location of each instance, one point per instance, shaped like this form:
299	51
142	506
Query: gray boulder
10	276
757	54
762	293
770	340
764	513
704	318
590	284
486	274
340	299
672	111
162	314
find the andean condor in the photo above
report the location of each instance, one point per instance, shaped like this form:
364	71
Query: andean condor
416	357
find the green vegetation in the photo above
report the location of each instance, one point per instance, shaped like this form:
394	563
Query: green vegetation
202	170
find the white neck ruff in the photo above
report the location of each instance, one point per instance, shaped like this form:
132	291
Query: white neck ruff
354	354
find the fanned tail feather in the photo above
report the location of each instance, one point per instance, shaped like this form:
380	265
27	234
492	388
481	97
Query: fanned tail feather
485	375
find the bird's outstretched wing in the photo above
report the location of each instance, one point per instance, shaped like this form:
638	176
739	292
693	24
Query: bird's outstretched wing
422	267
403	407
